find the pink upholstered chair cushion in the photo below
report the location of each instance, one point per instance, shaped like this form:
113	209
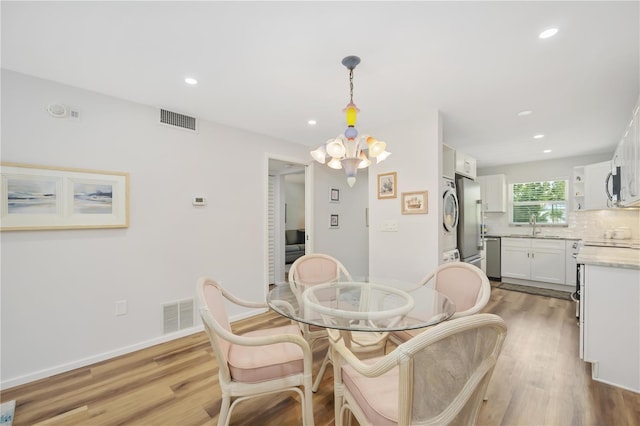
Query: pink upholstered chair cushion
252	364
460	285
376	396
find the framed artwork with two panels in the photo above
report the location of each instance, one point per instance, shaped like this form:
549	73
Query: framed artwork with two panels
45	197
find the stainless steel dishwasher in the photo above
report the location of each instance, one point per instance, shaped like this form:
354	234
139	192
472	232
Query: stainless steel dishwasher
493	258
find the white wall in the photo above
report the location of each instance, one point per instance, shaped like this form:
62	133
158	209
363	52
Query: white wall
349	242
59	288
412	252
498	223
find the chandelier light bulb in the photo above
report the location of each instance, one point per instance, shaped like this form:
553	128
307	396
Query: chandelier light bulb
377	148
335	148
320	154
364	161
382	156
335	163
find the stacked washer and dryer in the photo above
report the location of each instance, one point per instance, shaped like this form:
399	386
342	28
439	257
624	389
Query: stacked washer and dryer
450	214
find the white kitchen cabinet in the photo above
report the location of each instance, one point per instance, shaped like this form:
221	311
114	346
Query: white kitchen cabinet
595	175
533	259
515	258
628	155
448	162
465	165
589	186
610	324
493	191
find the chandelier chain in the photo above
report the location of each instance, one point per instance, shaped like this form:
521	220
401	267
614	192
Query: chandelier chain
351	84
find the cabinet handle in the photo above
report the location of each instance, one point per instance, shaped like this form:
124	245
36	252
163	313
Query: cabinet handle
528	254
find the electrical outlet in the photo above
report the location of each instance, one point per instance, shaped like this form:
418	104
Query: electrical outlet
121	307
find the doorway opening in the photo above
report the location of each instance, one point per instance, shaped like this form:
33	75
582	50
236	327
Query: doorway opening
287	214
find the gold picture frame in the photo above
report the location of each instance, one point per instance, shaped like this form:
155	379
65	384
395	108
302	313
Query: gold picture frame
416	202
387	185
45	197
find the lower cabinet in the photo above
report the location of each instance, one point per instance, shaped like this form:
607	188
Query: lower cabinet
534	259
610	325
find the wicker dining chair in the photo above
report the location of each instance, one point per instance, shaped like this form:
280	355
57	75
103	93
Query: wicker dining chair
319	268
438	377
464	284
256	363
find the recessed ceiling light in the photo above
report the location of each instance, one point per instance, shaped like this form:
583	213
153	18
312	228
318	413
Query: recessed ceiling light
190	80
525	113
539	136
312	122
546	151
549	32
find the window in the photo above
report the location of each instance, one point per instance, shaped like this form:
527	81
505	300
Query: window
546	200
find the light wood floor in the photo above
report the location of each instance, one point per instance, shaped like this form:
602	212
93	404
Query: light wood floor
539	380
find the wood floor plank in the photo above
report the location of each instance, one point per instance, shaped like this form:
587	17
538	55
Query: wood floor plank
538	380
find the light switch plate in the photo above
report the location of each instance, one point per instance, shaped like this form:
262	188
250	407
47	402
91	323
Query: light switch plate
389	226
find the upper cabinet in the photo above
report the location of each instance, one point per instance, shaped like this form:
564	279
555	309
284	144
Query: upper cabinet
589	186
448	162
465	165
493	191
628	158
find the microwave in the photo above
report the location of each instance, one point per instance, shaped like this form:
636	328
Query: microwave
612	185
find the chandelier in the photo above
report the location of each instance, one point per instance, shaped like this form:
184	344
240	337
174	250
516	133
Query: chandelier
350	151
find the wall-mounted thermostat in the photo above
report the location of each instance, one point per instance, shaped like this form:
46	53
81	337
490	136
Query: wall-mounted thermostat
199	201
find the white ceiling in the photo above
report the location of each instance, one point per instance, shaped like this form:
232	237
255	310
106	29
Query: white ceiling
269	67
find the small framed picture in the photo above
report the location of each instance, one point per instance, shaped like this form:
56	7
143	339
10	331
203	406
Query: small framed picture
334	195
414	202
334	221
387	185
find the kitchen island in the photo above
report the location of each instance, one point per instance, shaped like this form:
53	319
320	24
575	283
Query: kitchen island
610	314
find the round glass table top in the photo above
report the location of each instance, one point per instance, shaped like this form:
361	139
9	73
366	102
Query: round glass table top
374	305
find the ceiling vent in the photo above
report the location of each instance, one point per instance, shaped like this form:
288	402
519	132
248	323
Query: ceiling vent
182	121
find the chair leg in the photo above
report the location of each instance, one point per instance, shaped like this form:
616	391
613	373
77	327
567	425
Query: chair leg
223	417
323	369
307	407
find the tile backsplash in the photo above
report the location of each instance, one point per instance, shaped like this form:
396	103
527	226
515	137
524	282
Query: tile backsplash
586	224
593	224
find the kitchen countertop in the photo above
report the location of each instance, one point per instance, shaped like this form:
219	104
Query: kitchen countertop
537	237
618	257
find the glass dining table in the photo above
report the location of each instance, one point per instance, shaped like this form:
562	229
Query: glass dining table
372	305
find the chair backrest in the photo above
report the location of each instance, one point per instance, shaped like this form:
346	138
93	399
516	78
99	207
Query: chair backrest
466	285
444	372
317	268
210	296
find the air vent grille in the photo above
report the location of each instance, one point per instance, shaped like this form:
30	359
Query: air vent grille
179	120
177	316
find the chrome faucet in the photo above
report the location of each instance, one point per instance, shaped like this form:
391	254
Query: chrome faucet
532	222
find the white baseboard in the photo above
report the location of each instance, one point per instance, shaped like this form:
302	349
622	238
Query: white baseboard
48	372
63	368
